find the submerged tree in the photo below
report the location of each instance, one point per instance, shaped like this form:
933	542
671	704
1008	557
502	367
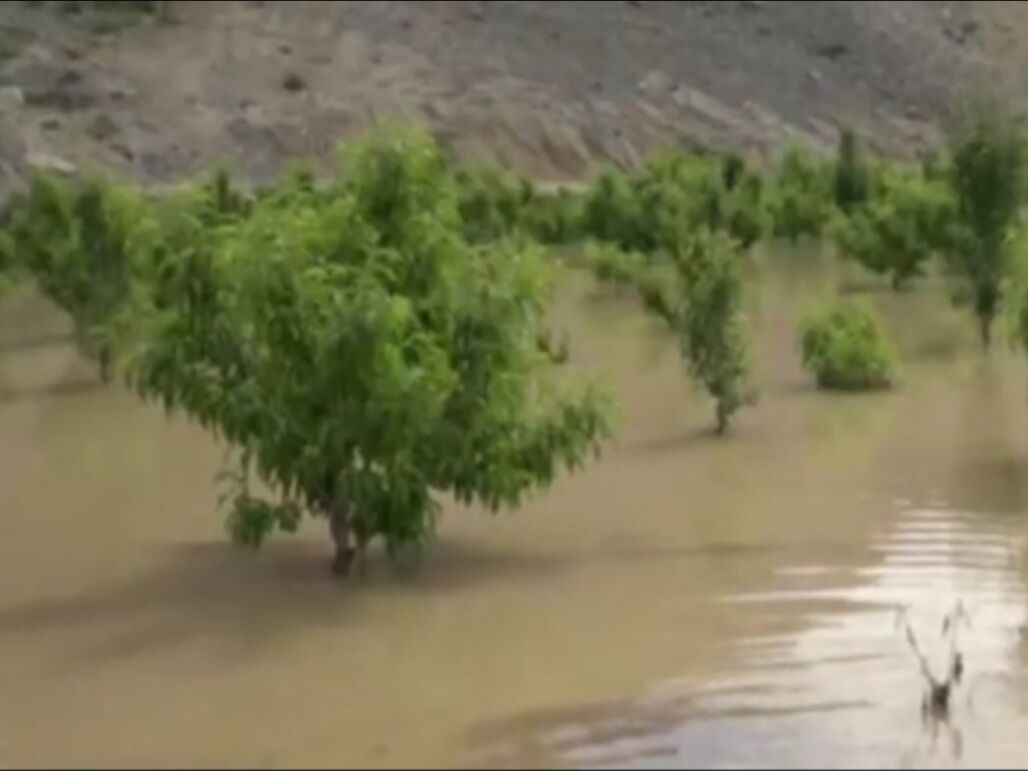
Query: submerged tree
800	201
361	356
6	267
988	175
75	239
552	217
745	218
697	290
852	177
710	322
647	211
676	235
614	212
490	202
907	221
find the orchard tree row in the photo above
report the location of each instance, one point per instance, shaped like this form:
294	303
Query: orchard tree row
678	229
368	342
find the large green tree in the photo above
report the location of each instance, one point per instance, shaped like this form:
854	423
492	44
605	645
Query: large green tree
359	354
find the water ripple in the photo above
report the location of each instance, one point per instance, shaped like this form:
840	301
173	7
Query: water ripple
842	688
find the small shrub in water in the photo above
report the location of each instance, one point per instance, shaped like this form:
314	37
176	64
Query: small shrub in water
845	347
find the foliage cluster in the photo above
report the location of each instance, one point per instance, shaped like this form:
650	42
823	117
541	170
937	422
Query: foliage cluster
845	348
697	290
801	199
987	176
494	204
76	237
907	221
672	196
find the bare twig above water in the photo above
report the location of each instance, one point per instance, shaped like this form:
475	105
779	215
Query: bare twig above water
912	641
936	700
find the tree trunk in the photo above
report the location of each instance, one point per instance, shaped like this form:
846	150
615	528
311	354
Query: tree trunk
361	554
987	299
985	328
722	419
899	282
341	529
105	364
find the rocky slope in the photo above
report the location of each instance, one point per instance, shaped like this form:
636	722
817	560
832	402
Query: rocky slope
548	87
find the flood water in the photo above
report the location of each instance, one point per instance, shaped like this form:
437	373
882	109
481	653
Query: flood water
685	600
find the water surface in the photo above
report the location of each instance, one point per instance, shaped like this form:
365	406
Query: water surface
687	599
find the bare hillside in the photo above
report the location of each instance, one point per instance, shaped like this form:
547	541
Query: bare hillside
548	87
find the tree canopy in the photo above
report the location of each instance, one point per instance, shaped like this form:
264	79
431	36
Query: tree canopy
359	353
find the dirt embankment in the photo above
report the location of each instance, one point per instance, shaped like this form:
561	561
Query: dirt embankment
547	87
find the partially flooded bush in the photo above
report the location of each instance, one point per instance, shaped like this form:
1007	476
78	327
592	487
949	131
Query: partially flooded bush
676	193
906	222
746	220
846	349
613	212
934	165
615	266
987	177
711	324
552	218
494	204
733	166
800	201
74	237
685	193
697	290
224	200
852	176
490	202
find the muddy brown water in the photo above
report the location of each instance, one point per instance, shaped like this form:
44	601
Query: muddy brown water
685	600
